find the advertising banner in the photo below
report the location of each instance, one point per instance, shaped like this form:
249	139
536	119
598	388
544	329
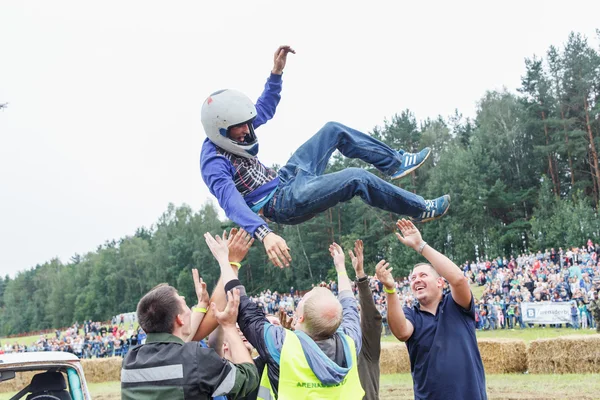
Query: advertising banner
546	313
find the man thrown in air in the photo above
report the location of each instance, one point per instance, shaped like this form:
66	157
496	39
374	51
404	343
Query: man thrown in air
246	189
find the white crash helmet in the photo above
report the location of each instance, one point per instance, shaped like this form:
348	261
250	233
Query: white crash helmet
224	109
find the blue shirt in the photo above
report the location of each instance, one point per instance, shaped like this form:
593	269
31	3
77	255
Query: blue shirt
444	358
233	180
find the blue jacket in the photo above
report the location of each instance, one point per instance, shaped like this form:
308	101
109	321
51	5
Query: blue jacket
218	172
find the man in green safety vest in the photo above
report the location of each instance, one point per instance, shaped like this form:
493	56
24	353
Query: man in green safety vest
319	359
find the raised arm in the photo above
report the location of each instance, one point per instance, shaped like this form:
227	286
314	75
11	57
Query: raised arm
401	327
253	323
199	310
339	261
239	243
370	317
459	284
350	320
246	377
269	99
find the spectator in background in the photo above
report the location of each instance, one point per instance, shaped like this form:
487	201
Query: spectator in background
574	315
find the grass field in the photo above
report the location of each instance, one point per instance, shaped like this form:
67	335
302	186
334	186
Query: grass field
509	386
26	340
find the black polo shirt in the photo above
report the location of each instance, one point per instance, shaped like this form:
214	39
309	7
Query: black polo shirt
444	358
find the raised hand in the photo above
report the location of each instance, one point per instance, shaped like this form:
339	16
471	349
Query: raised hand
277	250
218	247
384	274
228	317
200	287
285	320
240	242
280	58
338	257
410	235
357	258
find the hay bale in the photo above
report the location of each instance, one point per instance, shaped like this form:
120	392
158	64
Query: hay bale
102	369
576	354
501	356
394	358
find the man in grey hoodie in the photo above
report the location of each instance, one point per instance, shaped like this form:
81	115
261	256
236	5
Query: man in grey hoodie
327	330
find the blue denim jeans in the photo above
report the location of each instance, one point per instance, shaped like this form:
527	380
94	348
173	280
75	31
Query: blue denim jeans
304	191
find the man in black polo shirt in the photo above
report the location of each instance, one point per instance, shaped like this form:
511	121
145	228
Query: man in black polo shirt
440	331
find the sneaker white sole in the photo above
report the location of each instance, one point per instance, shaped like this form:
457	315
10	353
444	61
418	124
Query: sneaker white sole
408	171
433	218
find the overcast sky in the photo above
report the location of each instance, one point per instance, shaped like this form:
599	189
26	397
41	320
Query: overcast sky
103	125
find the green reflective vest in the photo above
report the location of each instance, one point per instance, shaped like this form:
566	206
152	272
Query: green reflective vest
297	381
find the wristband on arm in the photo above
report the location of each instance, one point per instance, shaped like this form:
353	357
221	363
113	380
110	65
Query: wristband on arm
261	232
390	291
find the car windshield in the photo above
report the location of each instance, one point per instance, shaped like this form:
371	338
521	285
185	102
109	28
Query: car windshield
60	382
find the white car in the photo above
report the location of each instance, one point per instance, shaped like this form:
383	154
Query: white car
49	375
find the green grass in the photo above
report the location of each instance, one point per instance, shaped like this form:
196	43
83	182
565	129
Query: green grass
26	340
399	386
105	391
510	386
98	391
530	334
477	291
506	386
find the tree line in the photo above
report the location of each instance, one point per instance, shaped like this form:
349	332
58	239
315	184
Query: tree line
523	175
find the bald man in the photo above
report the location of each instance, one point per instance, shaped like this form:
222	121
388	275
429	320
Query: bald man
319	358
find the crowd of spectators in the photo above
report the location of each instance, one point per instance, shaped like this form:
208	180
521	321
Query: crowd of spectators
91	340
571	275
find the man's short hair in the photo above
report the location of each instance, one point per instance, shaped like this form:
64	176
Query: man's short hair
157	310
322	319
435	273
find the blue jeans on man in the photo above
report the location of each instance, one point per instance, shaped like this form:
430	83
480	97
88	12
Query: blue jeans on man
304	190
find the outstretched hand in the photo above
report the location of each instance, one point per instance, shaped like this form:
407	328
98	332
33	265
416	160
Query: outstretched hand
200	287
384	274
240	242
277	250
409	235
280	58
228	316
357	258
338	256
218	247
285	320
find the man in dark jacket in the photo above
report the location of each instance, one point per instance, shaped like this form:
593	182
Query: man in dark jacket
166	367
370	326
